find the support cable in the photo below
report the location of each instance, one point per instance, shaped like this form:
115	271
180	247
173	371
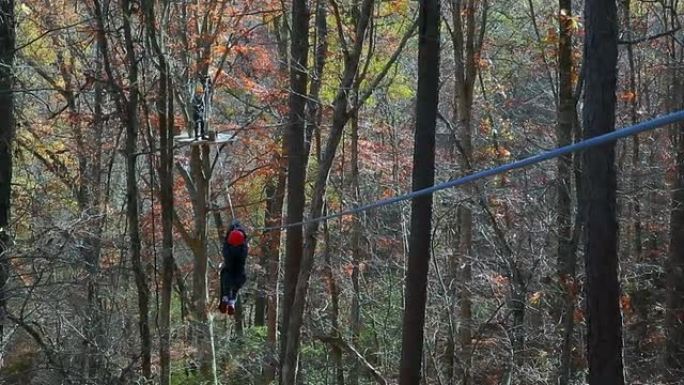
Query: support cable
648	125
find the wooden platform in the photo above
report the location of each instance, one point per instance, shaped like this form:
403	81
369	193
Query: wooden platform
217	139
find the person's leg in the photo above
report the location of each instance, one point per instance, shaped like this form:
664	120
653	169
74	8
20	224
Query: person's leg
225	290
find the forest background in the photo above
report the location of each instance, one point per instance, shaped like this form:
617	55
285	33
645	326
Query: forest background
109	258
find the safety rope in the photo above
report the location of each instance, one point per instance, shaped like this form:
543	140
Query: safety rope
551	154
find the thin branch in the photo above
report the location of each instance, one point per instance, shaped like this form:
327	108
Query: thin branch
49	31
374	84
649	38
341	343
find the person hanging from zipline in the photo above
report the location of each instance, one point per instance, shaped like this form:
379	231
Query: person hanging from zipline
232	273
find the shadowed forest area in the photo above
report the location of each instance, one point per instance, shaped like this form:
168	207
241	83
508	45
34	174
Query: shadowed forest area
134	133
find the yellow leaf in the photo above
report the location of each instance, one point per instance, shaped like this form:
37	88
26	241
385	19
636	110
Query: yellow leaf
535	298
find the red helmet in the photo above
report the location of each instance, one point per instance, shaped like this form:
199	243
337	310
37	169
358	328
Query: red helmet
236	238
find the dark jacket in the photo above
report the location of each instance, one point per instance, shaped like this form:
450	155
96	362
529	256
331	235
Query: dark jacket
234	259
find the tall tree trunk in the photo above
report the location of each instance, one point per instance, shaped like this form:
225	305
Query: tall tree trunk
200	169
132	130
89	199
273	217
674	353
421	208
355	312
566	246
633	101
604	321
674	316
334	313
313	107
271	241
165	111
466	42
340	118
294	150
165	106
7	127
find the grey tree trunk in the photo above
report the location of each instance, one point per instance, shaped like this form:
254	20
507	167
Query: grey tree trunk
165	108
132	212
7	128
467	43
421	208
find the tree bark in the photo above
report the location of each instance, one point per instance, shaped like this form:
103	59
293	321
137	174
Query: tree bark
466	42
294	150
674	353
334	312
7	129
165	111
355	311
132	212
566	248
604	322
340	118
165	106
313	107
634	119
200	169
421	208
674	316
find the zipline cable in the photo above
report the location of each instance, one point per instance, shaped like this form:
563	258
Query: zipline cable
583	145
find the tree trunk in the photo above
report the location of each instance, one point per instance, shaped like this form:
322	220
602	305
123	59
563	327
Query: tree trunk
340	118
634	119
466	43
7	128
674	316
567	256
132	130
674	353
271	241
165	106
313	107
200	169
165	110
421	208
334	308
604	322
294	150
355	312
